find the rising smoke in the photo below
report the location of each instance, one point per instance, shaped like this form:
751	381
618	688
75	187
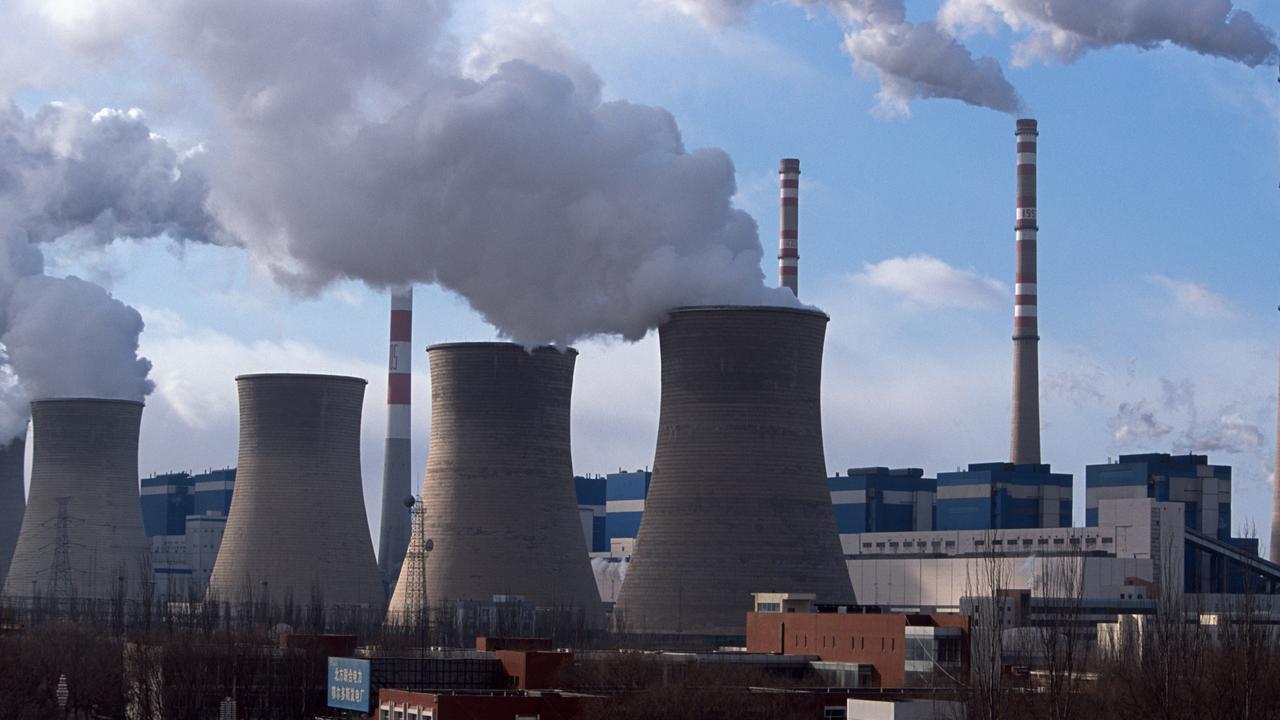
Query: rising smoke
67	173
925	60
1066	29
351	142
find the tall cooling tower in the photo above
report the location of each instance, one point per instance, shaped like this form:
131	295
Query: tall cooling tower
297	527
82	531
738	502
500	508
12	499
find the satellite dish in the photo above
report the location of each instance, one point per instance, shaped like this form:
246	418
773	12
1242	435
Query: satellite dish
409	501
428	544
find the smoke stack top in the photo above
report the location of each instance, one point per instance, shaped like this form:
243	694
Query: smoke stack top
789	232
1025	431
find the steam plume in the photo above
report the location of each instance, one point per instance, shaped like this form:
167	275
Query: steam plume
64	172
1066	29
350	144
926	60
911	60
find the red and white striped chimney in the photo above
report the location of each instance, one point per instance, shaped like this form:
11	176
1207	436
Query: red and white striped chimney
788	235
397	463
1025	435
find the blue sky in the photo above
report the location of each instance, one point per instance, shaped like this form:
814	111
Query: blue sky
1159	249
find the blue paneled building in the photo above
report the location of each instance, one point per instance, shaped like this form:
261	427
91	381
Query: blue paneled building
879	499
1000	496
624	507
590	491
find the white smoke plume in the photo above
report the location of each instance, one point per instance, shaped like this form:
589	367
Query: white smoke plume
925	60
65	172
350	141
911	60
1136	426
69	338
1066	29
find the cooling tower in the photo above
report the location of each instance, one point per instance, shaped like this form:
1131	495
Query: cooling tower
499	503
1025	432
82	531
738	502
297	527
12	499
397	463
789	225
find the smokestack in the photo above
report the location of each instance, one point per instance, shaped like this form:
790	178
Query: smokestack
12	499
789	233
397	461
1025	435
1275	497
84	463
297	525
738	502
500	509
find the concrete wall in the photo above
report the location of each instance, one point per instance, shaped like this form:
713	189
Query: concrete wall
941	582
738	502
12	499
500	504
86	451
297	525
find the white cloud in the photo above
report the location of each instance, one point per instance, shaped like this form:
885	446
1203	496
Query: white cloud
1194	298
929	281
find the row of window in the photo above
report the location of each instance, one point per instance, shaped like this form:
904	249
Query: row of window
855	643
982	543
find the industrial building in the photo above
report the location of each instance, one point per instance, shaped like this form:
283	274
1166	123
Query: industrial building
184	517
590	492
877	499
297	529
1125	557
82	535
624	508
13	498
898	650
738	502
1203	489
1003	496
501	514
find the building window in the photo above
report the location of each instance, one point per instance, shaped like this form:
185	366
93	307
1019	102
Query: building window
1106	540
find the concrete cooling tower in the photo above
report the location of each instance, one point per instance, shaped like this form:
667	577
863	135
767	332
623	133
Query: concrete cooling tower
12	499
738	503
297	527
499	503
82	531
